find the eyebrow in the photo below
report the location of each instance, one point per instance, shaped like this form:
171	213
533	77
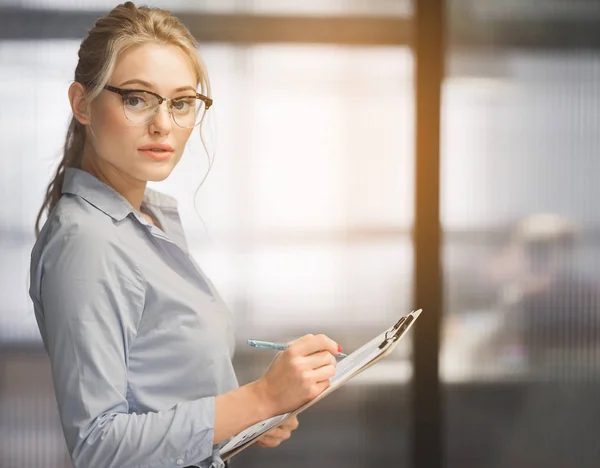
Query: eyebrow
149	85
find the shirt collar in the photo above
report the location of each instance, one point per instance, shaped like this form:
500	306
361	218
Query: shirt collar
106	199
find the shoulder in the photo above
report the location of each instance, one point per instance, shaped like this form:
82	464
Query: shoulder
74	224
75	215
79	241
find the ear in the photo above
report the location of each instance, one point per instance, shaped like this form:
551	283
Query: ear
79	103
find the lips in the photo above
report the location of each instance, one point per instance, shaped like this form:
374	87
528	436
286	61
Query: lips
158	151
158	147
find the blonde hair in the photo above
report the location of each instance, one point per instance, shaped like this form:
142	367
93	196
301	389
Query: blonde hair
123	27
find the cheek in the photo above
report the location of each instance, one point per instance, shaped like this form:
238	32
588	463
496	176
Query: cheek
108	117
112	128
184	135
181	138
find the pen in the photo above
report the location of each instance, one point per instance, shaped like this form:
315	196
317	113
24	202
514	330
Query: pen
279	346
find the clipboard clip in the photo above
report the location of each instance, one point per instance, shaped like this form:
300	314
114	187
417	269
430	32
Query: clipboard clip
394	333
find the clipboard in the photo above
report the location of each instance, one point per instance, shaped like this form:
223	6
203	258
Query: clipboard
356	362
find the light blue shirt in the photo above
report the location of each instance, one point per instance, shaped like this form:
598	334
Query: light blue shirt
139	341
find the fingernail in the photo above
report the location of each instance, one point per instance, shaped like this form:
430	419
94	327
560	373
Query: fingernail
339	349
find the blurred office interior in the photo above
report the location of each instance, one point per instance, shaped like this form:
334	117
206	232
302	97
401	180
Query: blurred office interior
317	216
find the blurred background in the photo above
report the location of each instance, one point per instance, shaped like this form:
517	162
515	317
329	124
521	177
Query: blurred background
307	220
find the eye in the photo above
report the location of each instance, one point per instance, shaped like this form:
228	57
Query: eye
183	105
135	101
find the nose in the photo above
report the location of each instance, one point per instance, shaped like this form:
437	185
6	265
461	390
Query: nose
161	123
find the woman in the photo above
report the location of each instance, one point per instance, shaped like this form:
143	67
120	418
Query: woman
140	343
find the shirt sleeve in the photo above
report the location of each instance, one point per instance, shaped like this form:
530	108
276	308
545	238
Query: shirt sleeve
91	301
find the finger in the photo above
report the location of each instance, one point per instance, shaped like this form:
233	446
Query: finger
268	442
309	344
322	358
291	424
322	374
317	389
294	423
279	432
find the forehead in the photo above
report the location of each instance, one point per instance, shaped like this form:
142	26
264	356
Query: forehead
167	67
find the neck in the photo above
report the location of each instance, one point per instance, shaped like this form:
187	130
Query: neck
130	188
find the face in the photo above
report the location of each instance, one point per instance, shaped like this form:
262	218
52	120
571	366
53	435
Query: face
120	147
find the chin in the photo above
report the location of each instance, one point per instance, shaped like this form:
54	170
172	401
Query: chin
158	176
155	174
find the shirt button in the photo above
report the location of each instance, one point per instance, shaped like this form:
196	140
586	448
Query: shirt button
179	461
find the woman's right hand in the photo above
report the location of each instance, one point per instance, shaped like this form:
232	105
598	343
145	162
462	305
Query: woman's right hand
300	373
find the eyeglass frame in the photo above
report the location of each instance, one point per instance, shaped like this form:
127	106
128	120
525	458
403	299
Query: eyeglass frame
124	92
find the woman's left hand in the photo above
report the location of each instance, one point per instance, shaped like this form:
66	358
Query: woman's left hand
278	434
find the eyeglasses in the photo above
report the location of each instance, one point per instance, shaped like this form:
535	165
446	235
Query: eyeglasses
141	106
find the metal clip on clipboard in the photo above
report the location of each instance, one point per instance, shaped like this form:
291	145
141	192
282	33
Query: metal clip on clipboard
394	333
